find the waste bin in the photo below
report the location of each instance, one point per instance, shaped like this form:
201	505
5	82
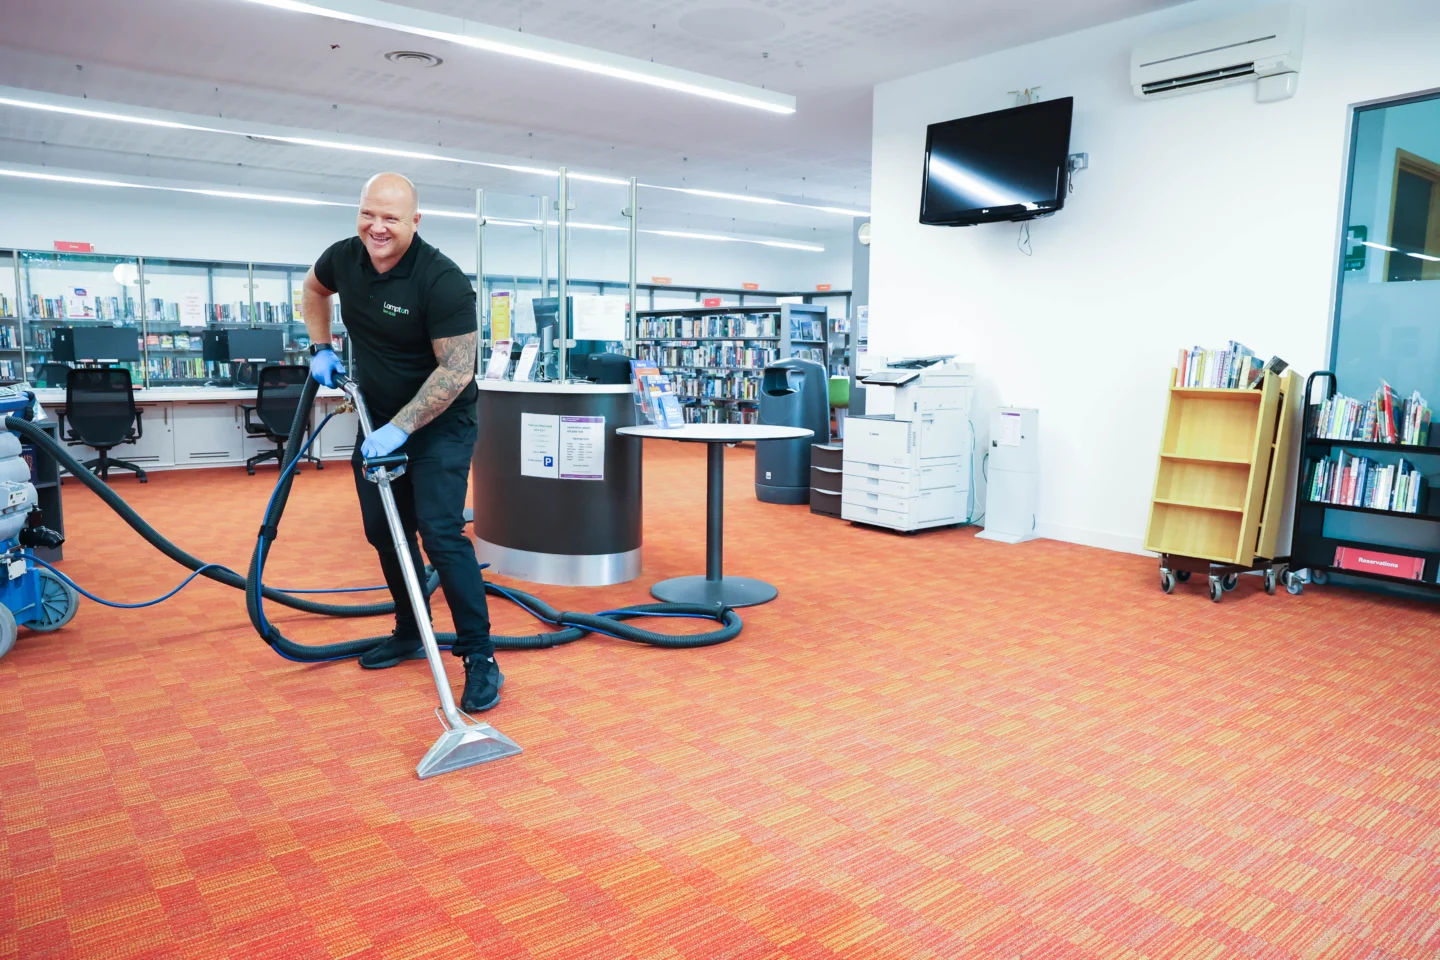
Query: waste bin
793	393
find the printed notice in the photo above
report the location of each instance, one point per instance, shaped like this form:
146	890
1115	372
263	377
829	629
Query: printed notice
582	448
1009	430
539	445
192	310
499	361
598	318
500	316
526	364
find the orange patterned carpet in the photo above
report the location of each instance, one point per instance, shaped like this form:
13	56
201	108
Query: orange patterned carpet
927	747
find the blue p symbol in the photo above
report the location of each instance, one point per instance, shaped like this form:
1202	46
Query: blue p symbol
549	461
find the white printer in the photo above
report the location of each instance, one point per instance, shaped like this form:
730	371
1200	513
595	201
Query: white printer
906	462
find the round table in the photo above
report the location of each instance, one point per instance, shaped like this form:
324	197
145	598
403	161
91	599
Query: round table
715	587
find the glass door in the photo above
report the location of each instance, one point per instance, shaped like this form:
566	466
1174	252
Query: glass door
11	367
64	294
177	293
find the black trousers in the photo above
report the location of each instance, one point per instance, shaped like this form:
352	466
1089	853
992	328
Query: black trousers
431	501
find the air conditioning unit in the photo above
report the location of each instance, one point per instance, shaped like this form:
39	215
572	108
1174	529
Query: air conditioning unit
1262	45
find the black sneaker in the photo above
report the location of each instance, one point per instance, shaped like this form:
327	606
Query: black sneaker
483	681
390	651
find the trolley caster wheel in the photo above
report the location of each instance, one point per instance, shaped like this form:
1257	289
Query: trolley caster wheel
1217	589
1182	575
1294	585
8	630
1230	581
1167	581
1271	579
1319	577
58	603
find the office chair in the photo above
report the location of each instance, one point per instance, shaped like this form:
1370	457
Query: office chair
100	406
53	375
276	399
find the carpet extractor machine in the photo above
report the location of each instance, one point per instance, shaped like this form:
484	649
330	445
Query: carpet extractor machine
41	597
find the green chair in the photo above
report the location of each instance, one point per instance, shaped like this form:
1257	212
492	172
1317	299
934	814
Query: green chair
839	401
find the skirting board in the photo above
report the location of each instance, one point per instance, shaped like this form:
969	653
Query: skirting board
1093	538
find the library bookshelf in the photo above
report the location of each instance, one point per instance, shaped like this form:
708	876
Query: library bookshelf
1219	489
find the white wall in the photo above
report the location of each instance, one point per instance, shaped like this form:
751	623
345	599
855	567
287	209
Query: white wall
156	224
1203	218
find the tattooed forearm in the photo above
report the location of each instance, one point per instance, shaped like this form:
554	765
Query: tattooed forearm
456	370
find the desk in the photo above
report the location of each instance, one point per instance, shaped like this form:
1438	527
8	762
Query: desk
186	427
554	529
715	587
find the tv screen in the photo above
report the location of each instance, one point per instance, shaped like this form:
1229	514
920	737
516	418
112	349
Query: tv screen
1006	165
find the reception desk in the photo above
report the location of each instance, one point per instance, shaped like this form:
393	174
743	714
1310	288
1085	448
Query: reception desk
556	491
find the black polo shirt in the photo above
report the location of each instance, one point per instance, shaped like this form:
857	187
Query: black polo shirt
392	317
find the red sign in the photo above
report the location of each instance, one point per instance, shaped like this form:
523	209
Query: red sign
824	287
1386	564
750	286
74	246
712	301
659	279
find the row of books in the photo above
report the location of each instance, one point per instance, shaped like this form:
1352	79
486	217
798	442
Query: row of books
9	337
185	368
807	329
7	307
1362	482
177	341
710	355
720	325
732	387
1235	367
264	312
10	370
1384	418
721	414
78	308
809	353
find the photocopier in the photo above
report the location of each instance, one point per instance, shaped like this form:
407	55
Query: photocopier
907	459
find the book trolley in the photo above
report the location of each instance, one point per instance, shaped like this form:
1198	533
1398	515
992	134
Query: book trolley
1219	487
1314	550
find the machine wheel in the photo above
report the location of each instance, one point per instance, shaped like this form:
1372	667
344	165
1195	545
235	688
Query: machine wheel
1230	581
1182	575
1167	581
8	630
1319	576
1272	576
1217	589
58	603
1294	585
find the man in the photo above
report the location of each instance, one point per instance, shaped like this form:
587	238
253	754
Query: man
410	314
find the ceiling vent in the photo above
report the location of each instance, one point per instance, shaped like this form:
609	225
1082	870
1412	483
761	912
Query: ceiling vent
1263	44
413	58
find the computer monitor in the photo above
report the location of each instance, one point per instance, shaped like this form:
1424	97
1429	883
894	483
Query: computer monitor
214	346
106	344
547	328
256	346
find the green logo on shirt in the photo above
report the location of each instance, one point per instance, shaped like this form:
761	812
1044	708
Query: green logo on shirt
393	311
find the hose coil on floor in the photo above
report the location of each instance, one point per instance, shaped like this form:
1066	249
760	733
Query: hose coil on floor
572	625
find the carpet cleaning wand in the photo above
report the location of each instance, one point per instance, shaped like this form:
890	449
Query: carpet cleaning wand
465	741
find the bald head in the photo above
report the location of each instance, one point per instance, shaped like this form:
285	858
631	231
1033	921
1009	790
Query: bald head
389	215
391	186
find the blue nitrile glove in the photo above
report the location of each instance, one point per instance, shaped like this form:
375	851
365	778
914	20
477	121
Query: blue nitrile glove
324	366
383	442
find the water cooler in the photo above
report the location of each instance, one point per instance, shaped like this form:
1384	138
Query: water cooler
1014	475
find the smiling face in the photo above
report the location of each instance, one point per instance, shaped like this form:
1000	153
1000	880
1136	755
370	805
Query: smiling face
387	219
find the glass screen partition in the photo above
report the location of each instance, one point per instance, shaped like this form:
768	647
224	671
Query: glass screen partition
63	293
177	311
11	342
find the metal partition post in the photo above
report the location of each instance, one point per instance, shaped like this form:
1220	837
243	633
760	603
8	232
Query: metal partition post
544	246
632	325
562	270
144	320
21	326
481	301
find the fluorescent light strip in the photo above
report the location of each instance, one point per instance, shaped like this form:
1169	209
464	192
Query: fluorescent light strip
424	212
1423	256
407	154
1379	246
539	49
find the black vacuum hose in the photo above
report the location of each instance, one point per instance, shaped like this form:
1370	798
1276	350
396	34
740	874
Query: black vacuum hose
573	625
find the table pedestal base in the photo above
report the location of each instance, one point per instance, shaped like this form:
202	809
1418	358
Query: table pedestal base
730	591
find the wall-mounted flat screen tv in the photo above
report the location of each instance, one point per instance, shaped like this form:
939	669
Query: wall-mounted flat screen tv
1006	165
